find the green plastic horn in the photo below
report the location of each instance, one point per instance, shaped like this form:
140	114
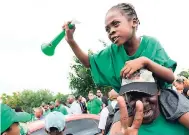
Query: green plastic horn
49	48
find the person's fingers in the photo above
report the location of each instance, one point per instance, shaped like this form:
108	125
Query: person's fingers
126	71
66	27
123	112
129	73
122	70
138	115
63	27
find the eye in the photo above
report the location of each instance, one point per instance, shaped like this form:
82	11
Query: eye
115	23
107	29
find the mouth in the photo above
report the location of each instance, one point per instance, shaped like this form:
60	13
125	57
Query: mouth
115	39
148	114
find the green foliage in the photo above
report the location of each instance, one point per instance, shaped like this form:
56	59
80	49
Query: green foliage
29	99
61	97
81	81
13	100
184	73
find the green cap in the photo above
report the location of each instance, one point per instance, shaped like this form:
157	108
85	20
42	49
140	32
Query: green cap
52	103
9	116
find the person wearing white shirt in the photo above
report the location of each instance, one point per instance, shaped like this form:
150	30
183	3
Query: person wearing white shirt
104	113
74	106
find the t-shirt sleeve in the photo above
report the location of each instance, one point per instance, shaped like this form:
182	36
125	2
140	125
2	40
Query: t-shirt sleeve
99	65
64	111
162	58
98	102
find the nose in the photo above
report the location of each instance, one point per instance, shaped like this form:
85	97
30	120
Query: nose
112	31
145	101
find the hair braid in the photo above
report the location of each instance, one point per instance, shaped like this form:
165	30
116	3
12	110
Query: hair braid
127	9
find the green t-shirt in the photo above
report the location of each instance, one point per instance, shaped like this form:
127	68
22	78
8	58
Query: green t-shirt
62	109
46	112
94	106
54	109
162	127
23	128
22	132
107	64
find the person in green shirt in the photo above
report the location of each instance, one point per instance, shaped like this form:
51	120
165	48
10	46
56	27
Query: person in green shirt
46	109
60	107
94	105
10	120
52	106
23	126
127	54
144	101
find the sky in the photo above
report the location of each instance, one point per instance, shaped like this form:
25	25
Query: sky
26	24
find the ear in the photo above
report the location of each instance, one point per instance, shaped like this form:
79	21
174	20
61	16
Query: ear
135	23
5	133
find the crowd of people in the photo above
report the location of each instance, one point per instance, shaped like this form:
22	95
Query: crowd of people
75	105
53	113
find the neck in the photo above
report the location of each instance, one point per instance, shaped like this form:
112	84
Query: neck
132	45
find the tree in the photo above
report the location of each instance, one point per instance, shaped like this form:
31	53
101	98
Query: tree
13	100
28	99
81	81
61	97
184	73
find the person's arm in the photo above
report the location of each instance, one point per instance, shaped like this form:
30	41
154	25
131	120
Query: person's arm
83	57
160	71
184	120
64	111
103	118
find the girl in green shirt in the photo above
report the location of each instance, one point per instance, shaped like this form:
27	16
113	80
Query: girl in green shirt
127	54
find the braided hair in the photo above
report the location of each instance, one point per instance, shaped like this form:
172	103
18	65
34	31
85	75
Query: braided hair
127	9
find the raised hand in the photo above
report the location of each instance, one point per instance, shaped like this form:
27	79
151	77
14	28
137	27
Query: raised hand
133	129
69	32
